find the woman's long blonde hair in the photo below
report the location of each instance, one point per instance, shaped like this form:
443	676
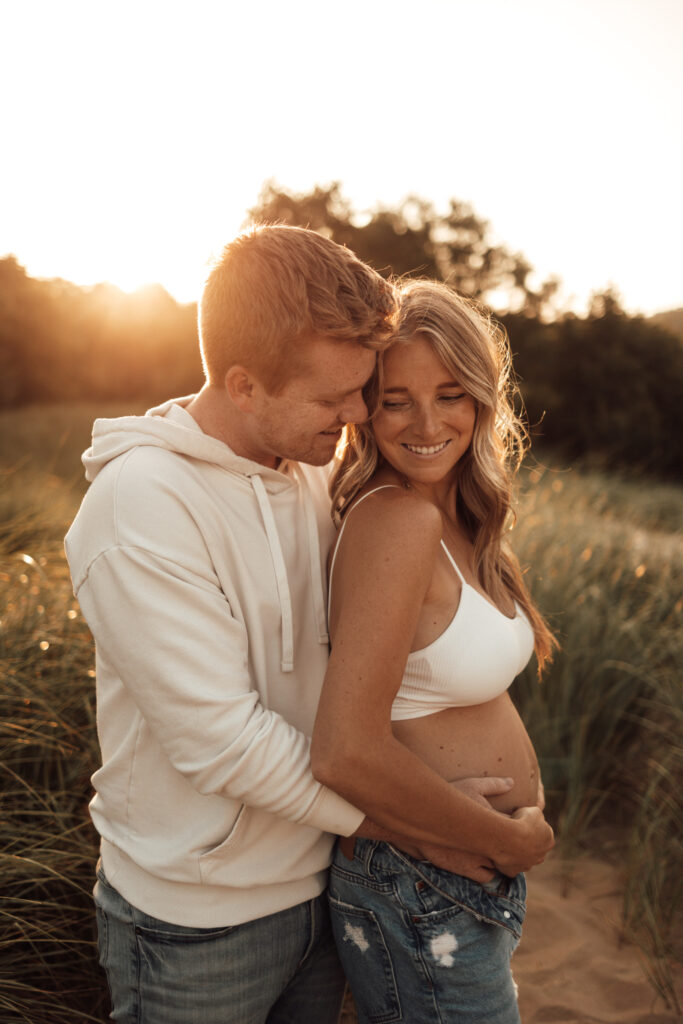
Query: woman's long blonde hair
477	353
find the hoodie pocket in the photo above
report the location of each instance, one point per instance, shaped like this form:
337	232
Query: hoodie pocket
209	858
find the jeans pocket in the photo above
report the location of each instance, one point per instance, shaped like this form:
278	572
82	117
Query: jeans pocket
366	961
160	933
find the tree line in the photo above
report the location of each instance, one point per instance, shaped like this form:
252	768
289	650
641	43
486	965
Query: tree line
60	342
605	385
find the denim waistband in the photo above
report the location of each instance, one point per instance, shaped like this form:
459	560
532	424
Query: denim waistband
420	883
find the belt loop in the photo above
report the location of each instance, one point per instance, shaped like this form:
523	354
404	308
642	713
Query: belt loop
370	847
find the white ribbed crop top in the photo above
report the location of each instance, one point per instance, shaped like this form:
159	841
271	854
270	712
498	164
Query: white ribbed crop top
474	660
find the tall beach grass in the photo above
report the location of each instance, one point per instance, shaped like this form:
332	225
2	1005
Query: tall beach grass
606	565
606	560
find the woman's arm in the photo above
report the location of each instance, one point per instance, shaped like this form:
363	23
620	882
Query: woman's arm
381	578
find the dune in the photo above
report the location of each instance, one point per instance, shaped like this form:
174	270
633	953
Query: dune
573	965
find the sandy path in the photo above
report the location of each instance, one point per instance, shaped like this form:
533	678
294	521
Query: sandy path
571	967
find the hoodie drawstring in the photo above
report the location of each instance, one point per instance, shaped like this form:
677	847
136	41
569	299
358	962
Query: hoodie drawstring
317	578
287	661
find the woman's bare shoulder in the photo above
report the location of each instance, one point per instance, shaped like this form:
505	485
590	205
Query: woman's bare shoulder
389	514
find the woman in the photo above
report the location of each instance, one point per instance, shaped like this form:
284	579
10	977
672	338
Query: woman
430	622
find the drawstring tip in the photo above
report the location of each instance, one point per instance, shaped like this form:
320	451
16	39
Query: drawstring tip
323	638
287	666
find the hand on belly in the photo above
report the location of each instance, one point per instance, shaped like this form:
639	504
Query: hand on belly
484	741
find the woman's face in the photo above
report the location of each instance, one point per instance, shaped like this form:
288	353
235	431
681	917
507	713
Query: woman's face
425	421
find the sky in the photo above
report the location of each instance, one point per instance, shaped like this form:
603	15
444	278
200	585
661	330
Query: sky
135	136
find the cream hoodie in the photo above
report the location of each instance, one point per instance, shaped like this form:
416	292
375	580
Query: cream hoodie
201	576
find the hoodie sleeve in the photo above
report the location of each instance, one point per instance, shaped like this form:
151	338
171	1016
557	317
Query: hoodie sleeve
169	636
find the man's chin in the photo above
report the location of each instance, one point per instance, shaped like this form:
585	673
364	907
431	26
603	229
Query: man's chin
319	458
323	452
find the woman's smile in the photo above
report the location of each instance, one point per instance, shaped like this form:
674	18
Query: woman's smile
426	420
426	450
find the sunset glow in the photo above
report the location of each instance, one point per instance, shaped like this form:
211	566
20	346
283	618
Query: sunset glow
138	135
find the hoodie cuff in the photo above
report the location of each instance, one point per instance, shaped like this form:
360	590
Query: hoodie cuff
332	813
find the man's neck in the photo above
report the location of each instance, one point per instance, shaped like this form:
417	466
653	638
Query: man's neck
214	413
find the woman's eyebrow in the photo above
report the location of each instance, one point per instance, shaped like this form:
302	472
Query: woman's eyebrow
445	384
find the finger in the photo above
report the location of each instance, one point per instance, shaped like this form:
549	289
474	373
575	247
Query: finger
495	785
476	871
492	785
482	874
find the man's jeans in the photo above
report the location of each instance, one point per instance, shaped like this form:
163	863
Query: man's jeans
280	969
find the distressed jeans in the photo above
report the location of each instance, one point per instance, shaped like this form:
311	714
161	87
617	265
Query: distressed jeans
280	969
419	944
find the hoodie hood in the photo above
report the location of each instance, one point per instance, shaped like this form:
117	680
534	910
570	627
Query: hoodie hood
171	427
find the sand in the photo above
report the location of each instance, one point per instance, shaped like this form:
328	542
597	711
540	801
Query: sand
572	966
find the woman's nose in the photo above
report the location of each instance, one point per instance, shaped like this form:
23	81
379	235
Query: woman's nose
428	422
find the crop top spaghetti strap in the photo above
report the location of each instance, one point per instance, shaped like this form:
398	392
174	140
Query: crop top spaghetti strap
473	661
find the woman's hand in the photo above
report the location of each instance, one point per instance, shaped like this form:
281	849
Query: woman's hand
479	789
540	801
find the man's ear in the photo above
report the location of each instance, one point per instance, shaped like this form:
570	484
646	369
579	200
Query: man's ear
239	385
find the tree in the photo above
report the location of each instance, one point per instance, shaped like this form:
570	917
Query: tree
607	385
59	341
412	239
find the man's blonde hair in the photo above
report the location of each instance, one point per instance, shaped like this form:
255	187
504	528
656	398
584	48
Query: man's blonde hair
273	288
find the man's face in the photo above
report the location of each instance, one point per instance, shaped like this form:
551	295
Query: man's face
305	419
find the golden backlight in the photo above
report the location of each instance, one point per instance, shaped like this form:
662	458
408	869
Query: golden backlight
136	136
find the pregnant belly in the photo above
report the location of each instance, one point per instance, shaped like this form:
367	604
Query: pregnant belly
483	740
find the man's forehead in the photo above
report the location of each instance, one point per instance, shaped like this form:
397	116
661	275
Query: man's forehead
346	365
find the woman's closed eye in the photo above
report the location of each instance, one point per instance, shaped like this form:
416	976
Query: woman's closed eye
398	404
395	403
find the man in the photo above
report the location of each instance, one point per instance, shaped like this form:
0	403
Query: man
198	560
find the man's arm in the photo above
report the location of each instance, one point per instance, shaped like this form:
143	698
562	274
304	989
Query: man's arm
168	633
461	862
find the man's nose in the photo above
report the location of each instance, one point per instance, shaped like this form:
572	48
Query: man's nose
355	410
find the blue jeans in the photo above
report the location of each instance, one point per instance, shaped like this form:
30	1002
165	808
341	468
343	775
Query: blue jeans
421	945
280	969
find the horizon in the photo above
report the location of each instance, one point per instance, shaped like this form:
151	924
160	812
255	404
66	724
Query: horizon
153	285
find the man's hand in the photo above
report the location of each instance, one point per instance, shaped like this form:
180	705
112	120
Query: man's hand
532	841
463	862
533	851
460	862
536	841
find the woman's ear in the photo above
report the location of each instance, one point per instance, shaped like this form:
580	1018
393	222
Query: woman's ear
239	385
